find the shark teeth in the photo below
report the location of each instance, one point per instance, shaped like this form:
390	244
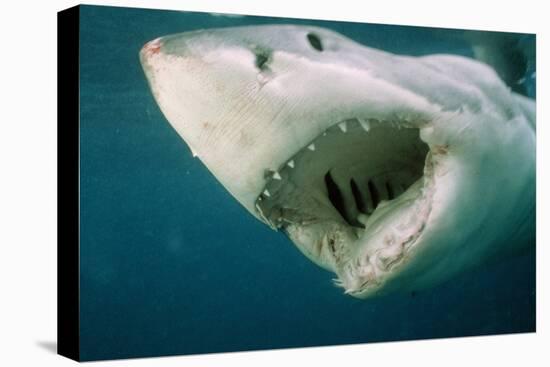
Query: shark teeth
343	126
277	176
278	208
364	124
363	218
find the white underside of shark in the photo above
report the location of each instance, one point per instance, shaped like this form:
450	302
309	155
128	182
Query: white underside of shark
393	172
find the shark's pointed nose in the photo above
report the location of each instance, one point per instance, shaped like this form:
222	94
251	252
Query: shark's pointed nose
151	48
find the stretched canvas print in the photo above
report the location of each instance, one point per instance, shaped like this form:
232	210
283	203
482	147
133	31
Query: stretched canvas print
232	182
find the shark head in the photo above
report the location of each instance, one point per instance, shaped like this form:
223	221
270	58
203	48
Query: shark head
393	172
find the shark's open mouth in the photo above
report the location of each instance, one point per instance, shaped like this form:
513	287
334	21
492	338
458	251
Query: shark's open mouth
355	199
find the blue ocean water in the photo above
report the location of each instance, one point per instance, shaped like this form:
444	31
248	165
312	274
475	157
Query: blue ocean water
171	264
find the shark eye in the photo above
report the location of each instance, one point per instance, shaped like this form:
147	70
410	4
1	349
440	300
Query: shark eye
261	60
315	41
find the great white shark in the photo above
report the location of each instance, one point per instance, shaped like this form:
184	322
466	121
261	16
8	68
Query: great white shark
394	172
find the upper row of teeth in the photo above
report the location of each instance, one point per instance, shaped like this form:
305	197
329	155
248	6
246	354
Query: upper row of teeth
343	126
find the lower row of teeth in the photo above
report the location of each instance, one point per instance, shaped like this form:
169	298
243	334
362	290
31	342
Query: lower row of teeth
367	268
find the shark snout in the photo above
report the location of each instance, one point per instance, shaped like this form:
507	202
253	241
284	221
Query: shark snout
151	48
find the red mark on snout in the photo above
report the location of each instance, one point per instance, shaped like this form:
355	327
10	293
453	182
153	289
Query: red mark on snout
152	47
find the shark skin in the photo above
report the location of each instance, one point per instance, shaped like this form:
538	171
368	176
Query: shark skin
394	172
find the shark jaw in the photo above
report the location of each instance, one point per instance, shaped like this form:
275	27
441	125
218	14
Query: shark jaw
354	200
392	172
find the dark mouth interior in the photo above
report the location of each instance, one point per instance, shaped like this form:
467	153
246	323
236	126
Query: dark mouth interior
365	201
346	173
